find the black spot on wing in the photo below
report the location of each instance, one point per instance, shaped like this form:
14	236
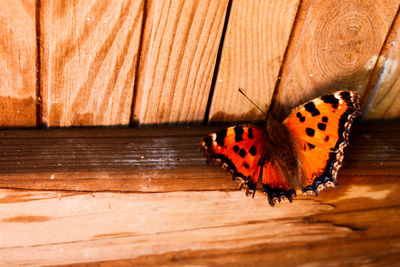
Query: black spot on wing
246	165
331	99
310	107
345	96
322	126
250	133
325	119
242	153
253	150
311	146
310	132
327	138
221	137
238	133
301	117
236	148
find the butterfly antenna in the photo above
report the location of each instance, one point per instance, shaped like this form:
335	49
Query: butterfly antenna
262	111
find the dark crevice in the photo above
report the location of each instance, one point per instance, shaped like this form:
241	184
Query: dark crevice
39	99
373	83
217	63
284	61
132	121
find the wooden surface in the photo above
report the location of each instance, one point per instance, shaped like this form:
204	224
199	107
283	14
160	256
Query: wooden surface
335	46
252	54
145	196
101	63
383	93
88	61
180	45
17	63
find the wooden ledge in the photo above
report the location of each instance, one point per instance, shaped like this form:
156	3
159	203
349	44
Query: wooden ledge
161	159
146	196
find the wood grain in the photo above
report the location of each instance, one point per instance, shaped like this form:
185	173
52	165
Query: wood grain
151	159
18	63
89	227
180	45
335	46
383	91
255	42
145	160
195	224
88	61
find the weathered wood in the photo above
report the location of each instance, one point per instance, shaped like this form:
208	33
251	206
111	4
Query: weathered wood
88	60
255	42
148	159
335	45
383	91
18	63
143	159
195	224
180	44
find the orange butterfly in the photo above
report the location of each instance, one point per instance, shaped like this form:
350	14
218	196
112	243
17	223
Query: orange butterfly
305	150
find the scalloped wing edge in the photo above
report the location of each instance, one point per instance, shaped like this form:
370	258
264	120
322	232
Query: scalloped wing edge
245	184
328	177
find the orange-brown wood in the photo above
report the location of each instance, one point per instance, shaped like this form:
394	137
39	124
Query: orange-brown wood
18	63
180	44
254	45
201	223
383	91
88	60
335	46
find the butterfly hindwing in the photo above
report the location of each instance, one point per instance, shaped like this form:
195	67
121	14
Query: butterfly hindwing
275	185
319	131
238	149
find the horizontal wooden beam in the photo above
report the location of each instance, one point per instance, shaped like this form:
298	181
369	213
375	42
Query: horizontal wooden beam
165	206
156	159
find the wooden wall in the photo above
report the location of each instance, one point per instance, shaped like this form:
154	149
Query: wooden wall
116	62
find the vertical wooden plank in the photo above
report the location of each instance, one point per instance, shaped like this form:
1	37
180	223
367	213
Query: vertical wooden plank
335	46
257	36
88	60
383	91
17	63
180	46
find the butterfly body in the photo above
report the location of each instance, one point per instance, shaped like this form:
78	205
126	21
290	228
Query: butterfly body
304	152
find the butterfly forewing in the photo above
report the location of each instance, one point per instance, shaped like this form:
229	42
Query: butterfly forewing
238	149
318	131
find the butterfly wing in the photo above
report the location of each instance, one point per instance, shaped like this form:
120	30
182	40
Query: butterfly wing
275	184
319	131
238	149
249	153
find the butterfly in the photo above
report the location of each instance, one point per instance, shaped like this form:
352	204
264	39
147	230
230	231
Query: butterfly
305	151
